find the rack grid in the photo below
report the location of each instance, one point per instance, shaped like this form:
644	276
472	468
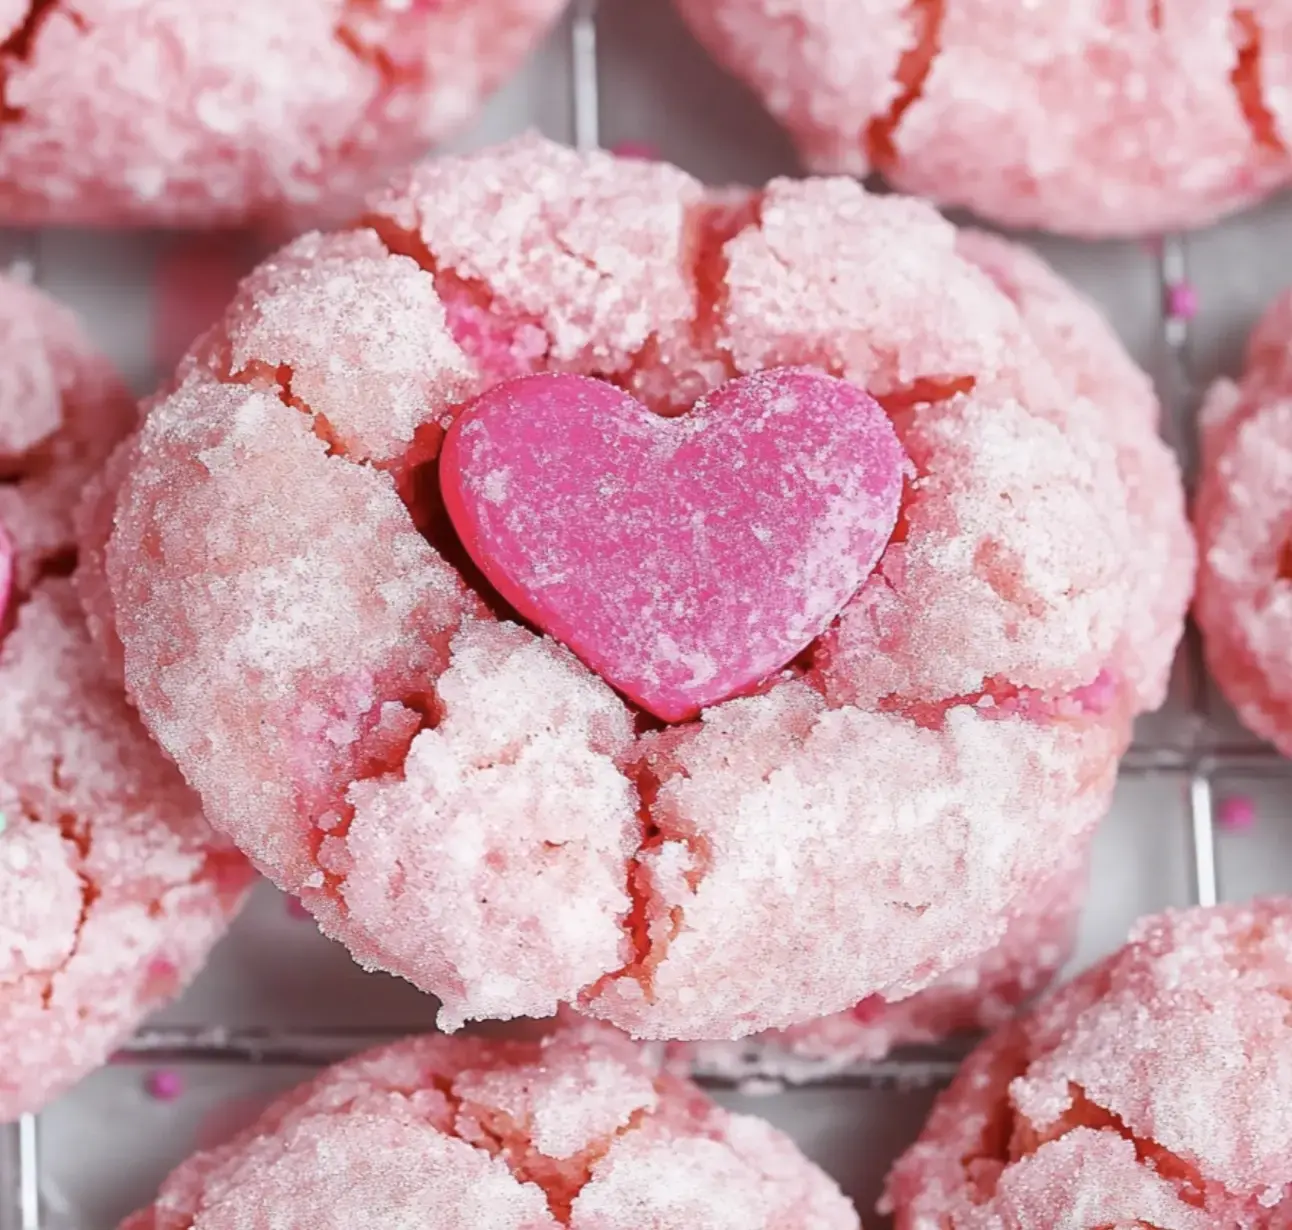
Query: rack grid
1192	760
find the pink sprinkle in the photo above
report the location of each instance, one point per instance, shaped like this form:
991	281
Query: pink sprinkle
1237	813
642	150
1182	301
297	910
165	1084
162	968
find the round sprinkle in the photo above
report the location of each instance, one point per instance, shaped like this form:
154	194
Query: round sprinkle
1236	813
642	150
1182	301
165	1084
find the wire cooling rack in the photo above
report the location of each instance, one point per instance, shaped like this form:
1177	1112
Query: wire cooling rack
1186	751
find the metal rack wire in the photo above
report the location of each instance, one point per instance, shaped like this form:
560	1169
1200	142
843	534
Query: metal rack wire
1193	763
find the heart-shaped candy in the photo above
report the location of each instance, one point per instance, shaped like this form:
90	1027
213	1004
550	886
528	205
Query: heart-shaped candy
687	559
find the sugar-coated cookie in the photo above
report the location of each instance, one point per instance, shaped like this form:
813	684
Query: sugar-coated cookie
580	1130
982	994
1243	515
1067	116
464	802
218	113
1155	1090
112	887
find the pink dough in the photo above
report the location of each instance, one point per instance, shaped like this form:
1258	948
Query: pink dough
112	888
1090	119
463	802
1155	1090
684	560
1243	516
220	113
580	1130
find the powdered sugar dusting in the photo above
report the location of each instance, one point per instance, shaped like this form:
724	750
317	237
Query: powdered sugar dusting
455	1134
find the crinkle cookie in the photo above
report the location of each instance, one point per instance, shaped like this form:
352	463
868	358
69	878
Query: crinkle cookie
112	888
1155	1090
219	113
580	1130
1243	516
1082	118
462	801
984	993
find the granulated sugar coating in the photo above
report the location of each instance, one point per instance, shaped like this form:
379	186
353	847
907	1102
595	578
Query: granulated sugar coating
1155	1090
1090	119
1243	516
981	995
112	888
580	1130
1090	359
208	113
466	804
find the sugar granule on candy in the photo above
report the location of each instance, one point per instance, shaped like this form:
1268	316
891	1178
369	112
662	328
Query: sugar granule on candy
683	560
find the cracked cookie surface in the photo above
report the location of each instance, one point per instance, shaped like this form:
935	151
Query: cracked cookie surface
580	1130
464	803
1151	1091
224	113
112	887
1096	120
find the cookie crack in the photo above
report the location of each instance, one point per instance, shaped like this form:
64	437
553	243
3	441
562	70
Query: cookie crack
926	17
1248	83
18	47
1084	1112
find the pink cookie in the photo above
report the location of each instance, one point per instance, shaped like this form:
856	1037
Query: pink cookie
580	1130
463	802
1155	1090
983	994
221	113
1083	118
1243	515
112	889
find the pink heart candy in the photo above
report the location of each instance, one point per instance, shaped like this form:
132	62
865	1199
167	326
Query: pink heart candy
684	560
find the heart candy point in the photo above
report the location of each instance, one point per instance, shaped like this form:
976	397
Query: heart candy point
684	560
